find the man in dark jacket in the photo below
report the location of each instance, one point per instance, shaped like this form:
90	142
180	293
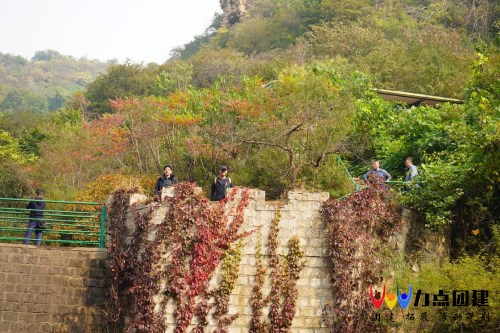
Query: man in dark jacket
220	185
166	180
36	218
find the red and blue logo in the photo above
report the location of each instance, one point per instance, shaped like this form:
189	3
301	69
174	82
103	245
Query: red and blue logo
390	298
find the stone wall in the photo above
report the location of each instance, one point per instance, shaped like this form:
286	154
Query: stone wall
57	289
51	289
300	217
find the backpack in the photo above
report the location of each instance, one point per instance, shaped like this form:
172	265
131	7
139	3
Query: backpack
226	184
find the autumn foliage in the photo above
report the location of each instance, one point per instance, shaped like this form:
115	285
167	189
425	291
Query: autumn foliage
196	235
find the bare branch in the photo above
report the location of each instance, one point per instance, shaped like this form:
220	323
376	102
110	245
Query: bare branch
268	144
324	154
296	128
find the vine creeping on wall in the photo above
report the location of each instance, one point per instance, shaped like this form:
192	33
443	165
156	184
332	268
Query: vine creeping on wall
352	225
229	275
284	273
191	241
134	279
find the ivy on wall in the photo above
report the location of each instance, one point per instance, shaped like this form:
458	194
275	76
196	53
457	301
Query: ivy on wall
355	229
117	261
190	243
284	274
258	302
221	295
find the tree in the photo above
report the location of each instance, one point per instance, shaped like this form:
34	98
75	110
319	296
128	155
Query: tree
46	55
10	149
120	81
294	123
456	147
429	60
229	66
23	100
56	101
177	75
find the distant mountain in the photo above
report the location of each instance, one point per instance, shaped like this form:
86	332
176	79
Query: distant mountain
45	81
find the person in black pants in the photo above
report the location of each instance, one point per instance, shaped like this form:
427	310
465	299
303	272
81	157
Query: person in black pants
167	179
36	218
220	185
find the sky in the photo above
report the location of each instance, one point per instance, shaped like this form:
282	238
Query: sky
140	30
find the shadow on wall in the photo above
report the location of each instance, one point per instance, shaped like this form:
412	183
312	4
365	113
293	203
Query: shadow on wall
91	316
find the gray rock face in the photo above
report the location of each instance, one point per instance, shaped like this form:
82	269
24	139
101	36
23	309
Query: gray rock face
233	10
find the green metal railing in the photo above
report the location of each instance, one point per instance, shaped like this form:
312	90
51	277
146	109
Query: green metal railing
356	185
75	223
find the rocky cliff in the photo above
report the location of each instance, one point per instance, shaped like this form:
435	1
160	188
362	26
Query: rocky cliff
233	10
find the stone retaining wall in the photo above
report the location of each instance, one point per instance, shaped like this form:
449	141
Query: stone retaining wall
300	217
58	289
51	289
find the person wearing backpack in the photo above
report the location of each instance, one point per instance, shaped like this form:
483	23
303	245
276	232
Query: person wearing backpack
220	185
36	221
167	179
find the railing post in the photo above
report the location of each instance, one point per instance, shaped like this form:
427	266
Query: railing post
103	225
356	186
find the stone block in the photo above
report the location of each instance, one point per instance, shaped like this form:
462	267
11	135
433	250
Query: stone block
53	270
137	198
25	317
20	327
17	259
324	196
316	243
77	263
5	326
32	260
309	312
63	281
47	327
12	296
89	282
59	260
295	195
43	280
257	195
313	252
313	196
97	272
304	206
9	316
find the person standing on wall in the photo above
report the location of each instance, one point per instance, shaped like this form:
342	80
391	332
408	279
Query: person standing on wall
220	185
167	179
36	221
411	170
376	172
410	173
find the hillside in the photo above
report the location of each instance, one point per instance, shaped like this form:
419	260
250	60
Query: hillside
421	46
282	93
45	81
